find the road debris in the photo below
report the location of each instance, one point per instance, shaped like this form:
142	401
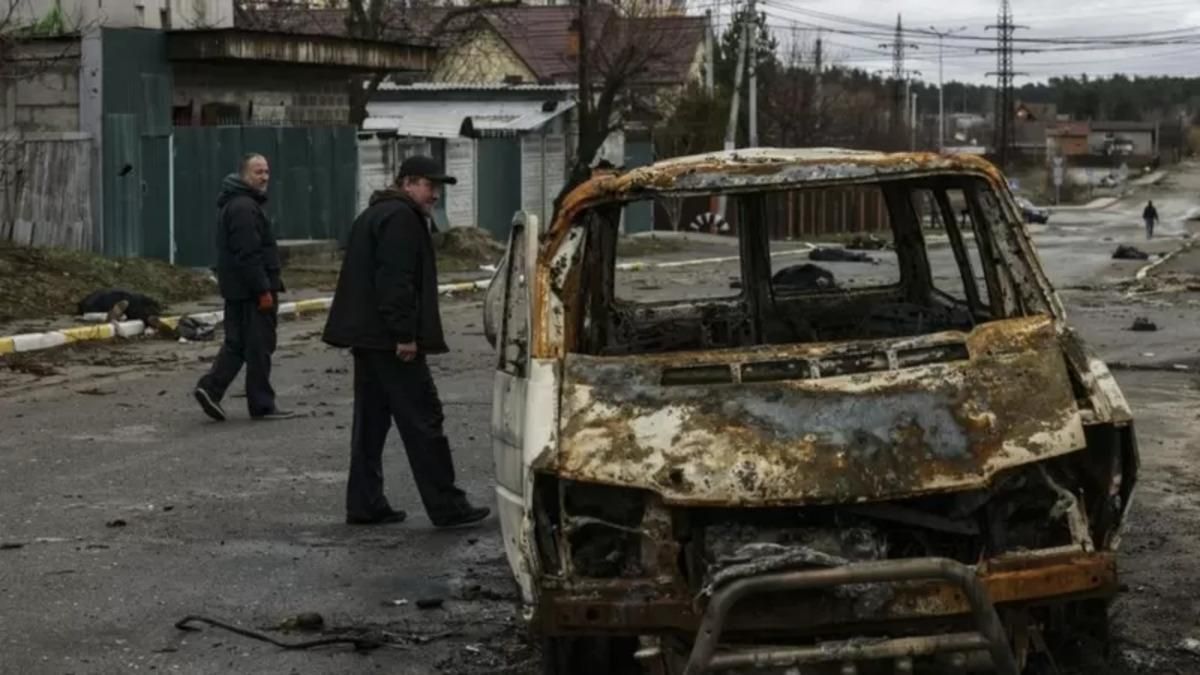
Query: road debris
867	242
191	329
116	523
1125	252
359	644
11	545
430	603
1143	325
395	603
825	254
303	621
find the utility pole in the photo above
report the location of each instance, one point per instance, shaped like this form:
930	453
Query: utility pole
818	67
898	48
731	127
585	90
752	64
1003	129
912	144
941	137
708	53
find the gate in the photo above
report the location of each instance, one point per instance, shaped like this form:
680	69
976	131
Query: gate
312	194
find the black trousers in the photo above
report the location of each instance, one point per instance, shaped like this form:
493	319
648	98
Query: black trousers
249	340
387	389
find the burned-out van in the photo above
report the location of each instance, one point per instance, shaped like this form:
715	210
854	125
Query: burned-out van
904	465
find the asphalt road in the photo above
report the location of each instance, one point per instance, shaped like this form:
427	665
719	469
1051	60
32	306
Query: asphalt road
123	509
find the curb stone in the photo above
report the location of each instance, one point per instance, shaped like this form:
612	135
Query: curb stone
30	342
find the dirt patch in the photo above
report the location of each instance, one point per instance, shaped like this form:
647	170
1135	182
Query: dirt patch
45	282
464	249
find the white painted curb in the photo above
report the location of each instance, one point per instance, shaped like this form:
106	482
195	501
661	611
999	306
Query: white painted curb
30	342
1147	269
637	265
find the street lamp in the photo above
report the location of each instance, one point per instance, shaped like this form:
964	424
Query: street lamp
941	86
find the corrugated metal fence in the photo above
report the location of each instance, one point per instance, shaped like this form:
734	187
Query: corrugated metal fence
312	194
790	215
45	190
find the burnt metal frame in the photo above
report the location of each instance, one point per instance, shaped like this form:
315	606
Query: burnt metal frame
991	635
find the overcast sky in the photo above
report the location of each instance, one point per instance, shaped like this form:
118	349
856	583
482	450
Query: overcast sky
1174	25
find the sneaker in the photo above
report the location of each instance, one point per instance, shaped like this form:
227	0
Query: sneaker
468	515
384	518
209	405
275	414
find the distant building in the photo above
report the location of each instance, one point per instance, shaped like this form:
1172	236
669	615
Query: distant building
1067	139
1139	139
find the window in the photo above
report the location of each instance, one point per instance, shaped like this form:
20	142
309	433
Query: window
955	265
660	269
869	261
847	235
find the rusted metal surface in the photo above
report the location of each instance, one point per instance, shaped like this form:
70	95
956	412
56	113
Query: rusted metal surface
849	651
964	436
876	434
631	607
730	172
963	578
318	51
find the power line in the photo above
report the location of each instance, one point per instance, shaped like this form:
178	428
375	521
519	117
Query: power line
898	48
1004	81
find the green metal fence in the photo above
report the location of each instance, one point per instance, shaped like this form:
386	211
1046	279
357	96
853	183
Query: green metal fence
312	194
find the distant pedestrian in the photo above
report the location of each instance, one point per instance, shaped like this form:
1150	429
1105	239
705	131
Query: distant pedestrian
1150	216
386	311
248	274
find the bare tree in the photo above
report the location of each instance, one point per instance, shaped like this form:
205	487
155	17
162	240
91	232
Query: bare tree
623	48
372	20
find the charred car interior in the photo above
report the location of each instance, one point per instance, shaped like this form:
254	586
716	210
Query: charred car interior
926	475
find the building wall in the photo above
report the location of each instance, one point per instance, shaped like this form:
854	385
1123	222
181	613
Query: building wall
154	14
259	96
483	57
1069	146
41	88
461	162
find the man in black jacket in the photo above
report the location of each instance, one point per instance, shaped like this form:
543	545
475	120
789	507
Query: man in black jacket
386	311
1150	217
248	274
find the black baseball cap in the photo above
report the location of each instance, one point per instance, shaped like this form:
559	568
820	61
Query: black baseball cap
419	166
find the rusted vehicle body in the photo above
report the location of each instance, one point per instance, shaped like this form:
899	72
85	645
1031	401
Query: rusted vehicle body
896	477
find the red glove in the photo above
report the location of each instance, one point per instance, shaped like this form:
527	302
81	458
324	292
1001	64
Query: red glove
266	302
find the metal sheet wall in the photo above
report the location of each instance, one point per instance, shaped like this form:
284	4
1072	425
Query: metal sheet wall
313	187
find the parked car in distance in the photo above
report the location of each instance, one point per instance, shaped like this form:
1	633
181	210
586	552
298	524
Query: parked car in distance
1031	213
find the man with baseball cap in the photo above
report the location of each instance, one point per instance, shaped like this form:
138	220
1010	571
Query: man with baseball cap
386	311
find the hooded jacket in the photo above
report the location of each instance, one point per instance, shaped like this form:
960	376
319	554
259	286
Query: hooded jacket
387	289
247	256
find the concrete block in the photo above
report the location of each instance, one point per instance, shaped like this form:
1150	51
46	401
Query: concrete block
50	118
48	89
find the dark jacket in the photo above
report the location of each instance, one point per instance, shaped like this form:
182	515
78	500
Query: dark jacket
247	256
387	290
1149	213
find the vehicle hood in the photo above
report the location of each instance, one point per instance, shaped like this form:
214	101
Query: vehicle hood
820	423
